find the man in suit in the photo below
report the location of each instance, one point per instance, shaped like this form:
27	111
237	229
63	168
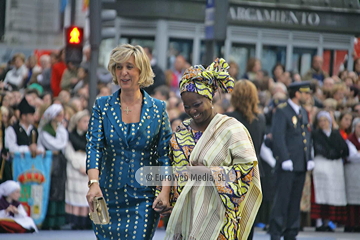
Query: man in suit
291	148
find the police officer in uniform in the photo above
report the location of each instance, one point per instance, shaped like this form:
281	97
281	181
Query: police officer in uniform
291	148
22	136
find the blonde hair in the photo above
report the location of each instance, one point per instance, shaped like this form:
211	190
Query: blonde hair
330	102
122	53
19	55
244	99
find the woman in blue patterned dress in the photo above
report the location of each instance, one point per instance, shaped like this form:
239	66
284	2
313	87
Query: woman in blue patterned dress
127	130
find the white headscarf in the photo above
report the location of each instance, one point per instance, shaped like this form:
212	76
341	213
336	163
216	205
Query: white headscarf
8	187
50	113
326	115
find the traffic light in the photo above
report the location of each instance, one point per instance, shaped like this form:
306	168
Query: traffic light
74	37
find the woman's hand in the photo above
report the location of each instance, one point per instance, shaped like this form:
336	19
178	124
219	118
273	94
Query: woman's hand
12	209
161	202
94	191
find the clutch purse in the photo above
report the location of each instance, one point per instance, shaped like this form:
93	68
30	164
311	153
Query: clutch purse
100	214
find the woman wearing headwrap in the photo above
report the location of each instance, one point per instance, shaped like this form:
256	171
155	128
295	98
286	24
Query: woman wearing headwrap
328	175
13	217
217	145
352	178
54	137
76	186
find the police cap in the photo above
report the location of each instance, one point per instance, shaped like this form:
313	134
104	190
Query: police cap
303	86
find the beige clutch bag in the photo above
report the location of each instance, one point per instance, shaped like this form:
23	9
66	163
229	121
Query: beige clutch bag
100	214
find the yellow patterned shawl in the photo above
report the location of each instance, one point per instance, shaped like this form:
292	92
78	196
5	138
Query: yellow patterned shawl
200	212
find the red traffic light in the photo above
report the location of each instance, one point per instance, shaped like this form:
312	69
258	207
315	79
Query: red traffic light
74	35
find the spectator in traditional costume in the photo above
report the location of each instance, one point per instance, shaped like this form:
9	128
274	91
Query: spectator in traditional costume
53	136
328	175
23	135
13	217
352	179
76	186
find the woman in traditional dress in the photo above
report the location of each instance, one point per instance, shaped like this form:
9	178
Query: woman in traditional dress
13	217
352	179
76	186
217	145
53	136
328	175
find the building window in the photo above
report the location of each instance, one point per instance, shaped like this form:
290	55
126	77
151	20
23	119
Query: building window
241	53
108	44
271	55
142	41
301	59
177	47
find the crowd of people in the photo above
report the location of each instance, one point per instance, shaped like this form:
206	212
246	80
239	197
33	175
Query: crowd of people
305	130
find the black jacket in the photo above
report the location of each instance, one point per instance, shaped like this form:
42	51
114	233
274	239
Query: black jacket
333	147
291	137
159	80
256	129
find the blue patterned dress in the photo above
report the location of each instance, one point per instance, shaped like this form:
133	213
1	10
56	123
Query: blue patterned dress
118	150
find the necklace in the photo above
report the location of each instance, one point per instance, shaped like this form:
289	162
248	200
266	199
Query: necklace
127	109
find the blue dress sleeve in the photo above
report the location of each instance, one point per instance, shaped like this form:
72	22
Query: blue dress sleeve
95	138
164	139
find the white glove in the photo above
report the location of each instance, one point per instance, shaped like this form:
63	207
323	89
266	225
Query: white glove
267	155
287	165
310	165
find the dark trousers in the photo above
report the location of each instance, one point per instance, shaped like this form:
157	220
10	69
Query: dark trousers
285	214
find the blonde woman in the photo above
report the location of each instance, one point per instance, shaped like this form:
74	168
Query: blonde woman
127	130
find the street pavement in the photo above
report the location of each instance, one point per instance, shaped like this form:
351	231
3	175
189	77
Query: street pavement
308	234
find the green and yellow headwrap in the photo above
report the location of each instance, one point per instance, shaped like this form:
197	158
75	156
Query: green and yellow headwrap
206	81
